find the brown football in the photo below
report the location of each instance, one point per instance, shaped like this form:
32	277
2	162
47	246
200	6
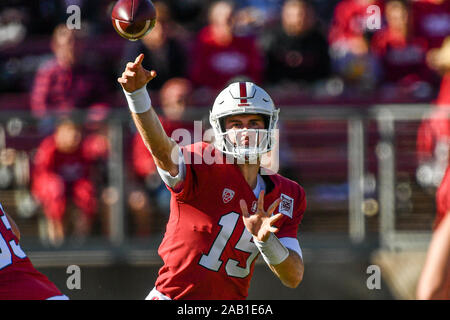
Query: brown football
133	19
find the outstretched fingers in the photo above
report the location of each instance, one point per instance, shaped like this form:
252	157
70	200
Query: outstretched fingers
244	208
273	206
261	201
128	73
139	59
274	219
131	66
150	74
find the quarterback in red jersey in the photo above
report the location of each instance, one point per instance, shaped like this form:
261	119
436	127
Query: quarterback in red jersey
223	211
19	280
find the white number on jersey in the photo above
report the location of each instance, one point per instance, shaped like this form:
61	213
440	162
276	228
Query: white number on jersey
5	253
212	260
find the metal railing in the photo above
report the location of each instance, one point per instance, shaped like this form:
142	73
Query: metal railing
357	119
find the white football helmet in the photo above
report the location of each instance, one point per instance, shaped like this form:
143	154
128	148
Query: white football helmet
244	98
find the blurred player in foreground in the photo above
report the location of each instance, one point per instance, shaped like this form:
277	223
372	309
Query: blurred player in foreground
19	280
434	139
434	282
225	213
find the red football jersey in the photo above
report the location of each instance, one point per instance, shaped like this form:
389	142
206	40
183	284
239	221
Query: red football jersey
19	280
207	251
443	198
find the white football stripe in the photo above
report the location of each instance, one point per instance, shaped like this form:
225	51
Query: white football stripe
137	35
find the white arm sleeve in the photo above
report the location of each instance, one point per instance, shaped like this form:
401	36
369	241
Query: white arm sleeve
174	181
293	244
138	101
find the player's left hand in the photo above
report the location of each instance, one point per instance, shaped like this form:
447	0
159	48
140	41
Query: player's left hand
260	224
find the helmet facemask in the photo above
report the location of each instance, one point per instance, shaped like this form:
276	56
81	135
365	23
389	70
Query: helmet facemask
246	145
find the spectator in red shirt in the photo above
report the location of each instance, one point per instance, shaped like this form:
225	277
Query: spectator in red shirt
431	20
219	55
64	83
62	174
349	47
174	98
402	55
349	22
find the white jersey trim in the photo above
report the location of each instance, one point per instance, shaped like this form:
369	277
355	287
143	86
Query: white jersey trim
168	178
293	244
260	185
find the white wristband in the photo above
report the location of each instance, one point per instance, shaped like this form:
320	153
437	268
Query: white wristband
138	101
272	250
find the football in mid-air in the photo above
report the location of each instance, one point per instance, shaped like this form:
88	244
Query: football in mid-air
133	19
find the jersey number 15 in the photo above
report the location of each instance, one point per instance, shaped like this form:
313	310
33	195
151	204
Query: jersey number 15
212	260
5	252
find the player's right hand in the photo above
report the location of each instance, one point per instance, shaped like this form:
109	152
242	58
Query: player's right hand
260	224
135	75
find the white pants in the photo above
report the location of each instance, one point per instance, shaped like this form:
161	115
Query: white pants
156	295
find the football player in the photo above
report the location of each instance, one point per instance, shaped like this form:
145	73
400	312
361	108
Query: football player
434	281
223	213
19	280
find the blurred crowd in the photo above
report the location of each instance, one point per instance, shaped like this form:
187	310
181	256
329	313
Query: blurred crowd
301	51
322	50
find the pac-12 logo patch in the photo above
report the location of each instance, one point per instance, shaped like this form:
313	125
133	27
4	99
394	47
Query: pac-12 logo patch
286	206
227	195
